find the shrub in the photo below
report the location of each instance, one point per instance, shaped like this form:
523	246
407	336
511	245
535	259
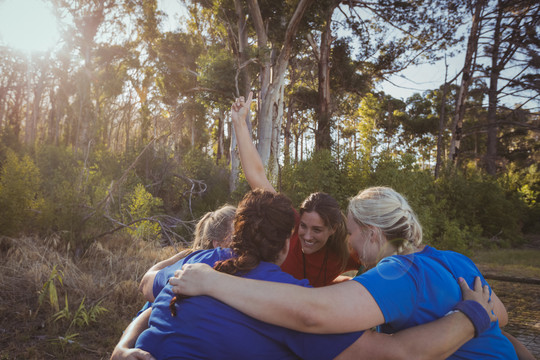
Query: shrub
141	204
19	194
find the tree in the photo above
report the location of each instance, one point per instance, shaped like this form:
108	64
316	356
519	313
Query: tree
513	35
466	79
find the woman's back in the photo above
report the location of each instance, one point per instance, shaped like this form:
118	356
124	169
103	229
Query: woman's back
205	328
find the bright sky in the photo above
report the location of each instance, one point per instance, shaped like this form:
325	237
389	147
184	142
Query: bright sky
423	77
27	25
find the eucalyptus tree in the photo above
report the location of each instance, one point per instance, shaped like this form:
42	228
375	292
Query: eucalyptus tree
13	90
87	17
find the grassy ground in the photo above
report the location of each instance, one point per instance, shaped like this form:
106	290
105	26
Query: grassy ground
101	291
104	278
510	262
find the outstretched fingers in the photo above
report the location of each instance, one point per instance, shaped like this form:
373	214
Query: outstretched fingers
480	294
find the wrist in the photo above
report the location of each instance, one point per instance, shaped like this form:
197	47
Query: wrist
476	314
213	282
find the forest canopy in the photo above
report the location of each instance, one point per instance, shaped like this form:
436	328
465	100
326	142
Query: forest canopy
122	128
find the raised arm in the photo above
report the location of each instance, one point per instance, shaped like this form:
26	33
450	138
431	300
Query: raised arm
339	308
249	157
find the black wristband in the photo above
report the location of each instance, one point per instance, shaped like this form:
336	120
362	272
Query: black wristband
476	313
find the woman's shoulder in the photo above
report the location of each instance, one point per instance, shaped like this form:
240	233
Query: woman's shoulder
208	256
271	272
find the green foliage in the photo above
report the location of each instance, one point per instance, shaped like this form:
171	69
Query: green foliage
49	288
80	318
320	173
141	205
475	200
20	181
197	165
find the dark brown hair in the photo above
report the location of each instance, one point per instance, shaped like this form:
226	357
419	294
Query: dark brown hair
263	222
328	209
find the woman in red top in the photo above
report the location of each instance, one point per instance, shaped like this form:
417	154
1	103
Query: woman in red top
318	246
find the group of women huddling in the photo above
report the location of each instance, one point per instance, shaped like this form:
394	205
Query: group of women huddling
263	281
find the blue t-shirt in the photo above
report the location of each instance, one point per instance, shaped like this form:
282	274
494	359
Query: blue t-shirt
422	287
205	328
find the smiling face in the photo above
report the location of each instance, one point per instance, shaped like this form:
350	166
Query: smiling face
363	240
313	232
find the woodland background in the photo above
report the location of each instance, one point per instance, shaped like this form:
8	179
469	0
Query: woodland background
116	142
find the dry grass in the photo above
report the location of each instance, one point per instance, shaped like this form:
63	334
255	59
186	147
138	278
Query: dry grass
107	274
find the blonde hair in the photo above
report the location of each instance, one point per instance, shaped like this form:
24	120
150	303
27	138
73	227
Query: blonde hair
387	210
214	227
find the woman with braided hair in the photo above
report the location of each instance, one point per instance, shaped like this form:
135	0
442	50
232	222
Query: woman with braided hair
202	327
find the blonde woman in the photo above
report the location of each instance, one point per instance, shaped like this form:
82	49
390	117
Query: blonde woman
212	230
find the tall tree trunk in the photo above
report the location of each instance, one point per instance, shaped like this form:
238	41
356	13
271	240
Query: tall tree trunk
242	89
220	134
441	123
323	138
466	79
28	134
491	154
272	79
287	133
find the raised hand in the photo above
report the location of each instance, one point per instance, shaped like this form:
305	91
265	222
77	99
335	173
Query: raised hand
240	108
192	280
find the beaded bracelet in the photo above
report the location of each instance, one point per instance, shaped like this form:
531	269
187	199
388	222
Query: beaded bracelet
476	314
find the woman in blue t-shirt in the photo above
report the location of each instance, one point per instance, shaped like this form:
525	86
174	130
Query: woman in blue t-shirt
408	284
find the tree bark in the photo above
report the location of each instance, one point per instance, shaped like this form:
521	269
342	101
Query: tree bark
272	78
491	154
441	123
323	139
466	79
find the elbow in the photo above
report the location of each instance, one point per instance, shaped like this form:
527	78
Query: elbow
146	289
503	320
310	319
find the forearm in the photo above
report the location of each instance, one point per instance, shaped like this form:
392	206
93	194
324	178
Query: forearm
499	309
134	329
249	157
436	340
322	310
147	282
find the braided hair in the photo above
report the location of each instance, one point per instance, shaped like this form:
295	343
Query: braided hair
264	221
